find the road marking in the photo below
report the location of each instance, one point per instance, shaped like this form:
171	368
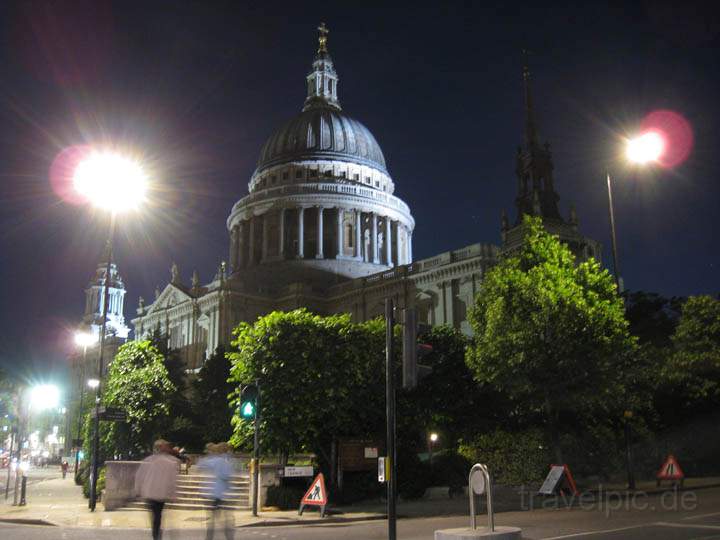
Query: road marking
576	535
702	516
689	525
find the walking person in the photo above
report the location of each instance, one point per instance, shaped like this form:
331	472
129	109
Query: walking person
218	464
64	468
156	481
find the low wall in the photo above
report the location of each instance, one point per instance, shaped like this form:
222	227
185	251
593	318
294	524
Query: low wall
119	483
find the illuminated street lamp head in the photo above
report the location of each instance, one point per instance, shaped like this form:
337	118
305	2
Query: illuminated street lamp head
110	181
93	383
433	437
44	396
84	339
646	148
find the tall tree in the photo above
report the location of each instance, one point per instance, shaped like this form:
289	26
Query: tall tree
550	334
695	363
321	378
210	392
449	400
139	383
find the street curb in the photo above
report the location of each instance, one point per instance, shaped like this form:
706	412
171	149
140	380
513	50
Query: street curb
28	521
295	522
654	491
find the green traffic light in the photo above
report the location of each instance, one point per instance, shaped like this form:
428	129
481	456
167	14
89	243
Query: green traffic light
247	410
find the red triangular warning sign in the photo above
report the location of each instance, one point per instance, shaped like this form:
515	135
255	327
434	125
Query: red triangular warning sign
316	494
670	470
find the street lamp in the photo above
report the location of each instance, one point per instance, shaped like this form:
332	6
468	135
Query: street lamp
646	148
432	440
84	340
115	183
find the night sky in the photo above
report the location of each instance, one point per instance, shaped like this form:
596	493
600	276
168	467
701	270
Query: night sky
195	88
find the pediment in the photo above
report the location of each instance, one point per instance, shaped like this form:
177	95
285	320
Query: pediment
170	297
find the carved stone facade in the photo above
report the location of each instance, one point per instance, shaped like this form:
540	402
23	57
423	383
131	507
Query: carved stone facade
322	229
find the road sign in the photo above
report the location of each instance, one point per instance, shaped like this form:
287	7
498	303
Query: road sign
316	495
558	479
670	470
477	482
110	414
297	472
382	471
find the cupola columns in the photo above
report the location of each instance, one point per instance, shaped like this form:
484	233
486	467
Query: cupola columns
322	81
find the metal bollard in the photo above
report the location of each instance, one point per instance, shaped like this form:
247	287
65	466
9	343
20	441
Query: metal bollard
23	488
485	487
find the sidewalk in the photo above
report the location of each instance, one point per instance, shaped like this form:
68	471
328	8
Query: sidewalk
60	502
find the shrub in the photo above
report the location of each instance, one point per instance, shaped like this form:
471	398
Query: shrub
413	476
449	468
512	458
359	486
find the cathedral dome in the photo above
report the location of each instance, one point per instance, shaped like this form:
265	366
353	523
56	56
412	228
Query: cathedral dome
322	132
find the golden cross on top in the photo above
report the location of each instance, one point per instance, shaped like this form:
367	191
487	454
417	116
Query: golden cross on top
322	39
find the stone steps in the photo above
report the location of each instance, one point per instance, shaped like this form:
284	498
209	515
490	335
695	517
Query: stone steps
193	493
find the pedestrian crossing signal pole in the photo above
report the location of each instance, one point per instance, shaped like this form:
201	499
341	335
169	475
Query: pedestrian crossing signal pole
250	409
390	409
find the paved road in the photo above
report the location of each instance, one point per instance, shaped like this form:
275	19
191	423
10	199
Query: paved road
695	517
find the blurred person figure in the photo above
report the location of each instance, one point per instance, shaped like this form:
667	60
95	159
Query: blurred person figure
64	468
218	465
156	481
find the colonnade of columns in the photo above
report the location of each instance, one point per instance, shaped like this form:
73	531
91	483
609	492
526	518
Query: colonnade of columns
360	236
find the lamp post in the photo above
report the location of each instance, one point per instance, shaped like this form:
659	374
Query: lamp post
44	396
431	442
83	339
646	148
115	183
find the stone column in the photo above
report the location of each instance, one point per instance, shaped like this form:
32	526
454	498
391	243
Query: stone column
251	242
399	258
281	234
388	240
265	237
375	252
340	234
358	235
234	247
319	250
241	245
409	248
301	233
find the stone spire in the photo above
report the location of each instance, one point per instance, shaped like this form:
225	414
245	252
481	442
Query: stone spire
530	126
322	81
534	169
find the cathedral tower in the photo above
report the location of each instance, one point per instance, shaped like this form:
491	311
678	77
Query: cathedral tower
536	195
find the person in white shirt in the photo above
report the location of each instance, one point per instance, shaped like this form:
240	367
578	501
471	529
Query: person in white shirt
156	481
218	464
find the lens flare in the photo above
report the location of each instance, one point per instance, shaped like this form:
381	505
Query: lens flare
676	133
646	148
62	172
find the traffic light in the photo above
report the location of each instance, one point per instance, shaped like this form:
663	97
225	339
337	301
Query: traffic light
248	401
414	352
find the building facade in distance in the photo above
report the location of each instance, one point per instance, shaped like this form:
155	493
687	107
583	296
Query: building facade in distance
322	228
